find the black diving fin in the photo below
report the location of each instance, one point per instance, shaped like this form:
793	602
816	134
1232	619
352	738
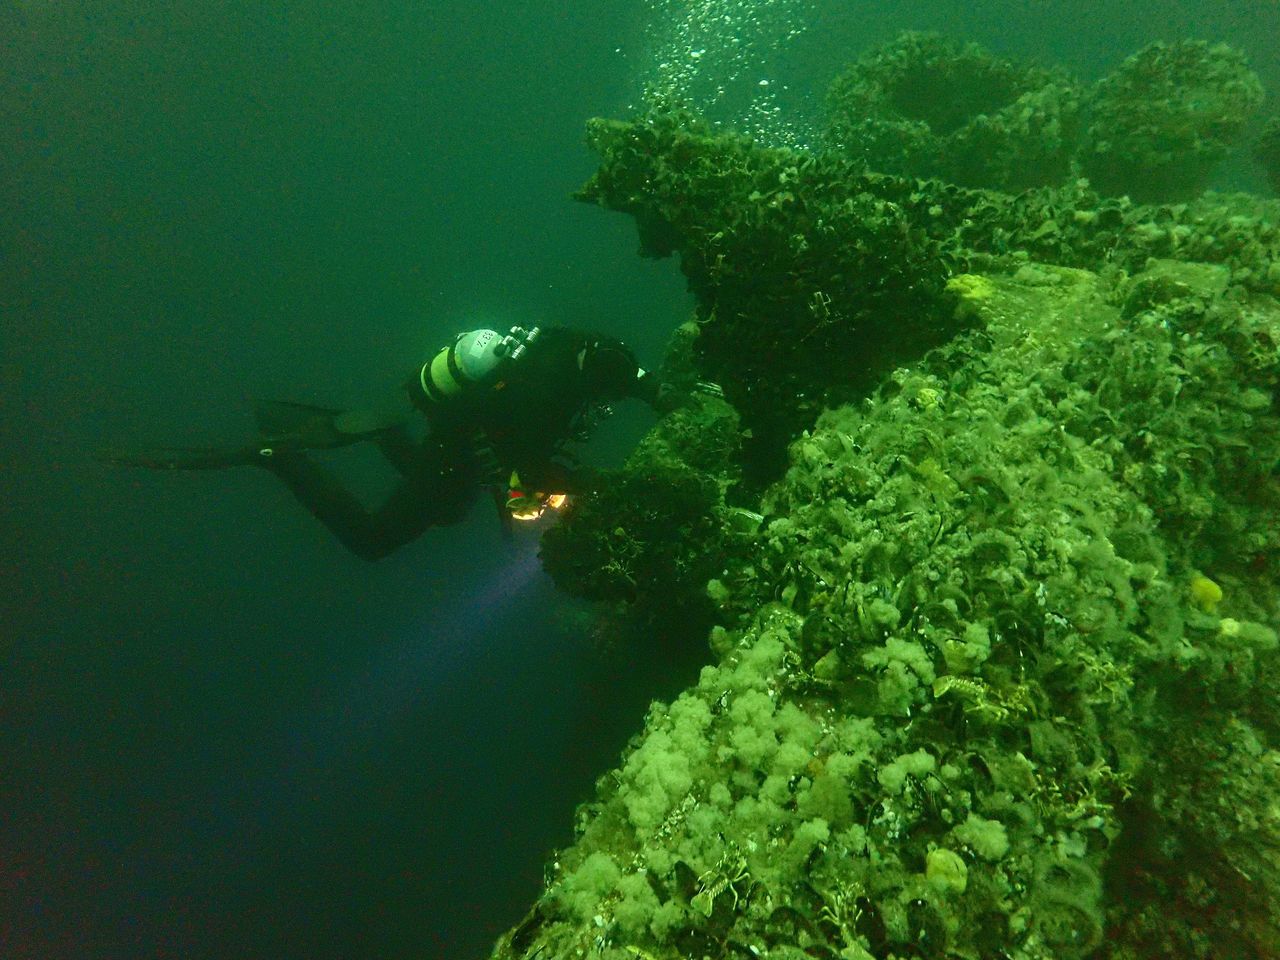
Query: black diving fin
187	458
299	425
282	426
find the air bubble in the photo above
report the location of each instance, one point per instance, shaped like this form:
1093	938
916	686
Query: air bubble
710	54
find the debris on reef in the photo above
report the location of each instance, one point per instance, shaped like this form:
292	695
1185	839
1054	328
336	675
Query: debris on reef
1154	129
985	535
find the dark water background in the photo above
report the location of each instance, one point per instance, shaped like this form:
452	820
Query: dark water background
220	736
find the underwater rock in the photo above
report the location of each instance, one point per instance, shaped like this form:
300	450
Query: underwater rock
923	105
815	279
1154	129
1035	733
1165	118
653	533
966	695
809	277
1267	152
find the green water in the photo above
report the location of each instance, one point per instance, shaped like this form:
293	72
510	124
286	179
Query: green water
219	735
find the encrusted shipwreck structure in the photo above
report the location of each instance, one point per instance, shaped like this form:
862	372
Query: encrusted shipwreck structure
1165	119
929	106
1154	128
987	527
1267	151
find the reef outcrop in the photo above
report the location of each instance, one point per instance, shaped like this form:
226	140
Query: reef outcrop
1154	129
1166	117
984	535
1267	152
924	105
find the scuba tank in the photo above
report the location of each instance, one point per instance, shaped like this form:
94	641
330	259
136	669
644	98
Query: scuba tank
476	358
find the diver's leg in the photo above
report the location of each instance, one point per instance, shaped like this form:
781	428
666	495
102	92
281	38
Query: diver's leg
325	498
400	450
423	500
412	458
283	425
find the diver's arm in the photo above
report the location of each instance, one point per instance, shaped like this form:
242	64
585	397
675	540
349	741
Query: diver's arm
611	372
553	476
663	397
646	386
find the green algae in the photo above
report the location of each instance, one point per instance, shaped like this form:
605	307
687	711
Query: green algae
964	701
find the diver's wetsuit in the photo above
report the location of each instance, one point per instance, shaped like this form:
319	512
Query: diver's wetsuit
521	422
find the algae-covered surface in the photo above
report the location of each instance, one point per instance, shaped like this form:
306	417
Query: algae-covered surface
982	537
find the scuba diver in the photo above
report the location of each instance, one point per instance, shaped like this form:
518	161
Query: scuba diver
499	411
